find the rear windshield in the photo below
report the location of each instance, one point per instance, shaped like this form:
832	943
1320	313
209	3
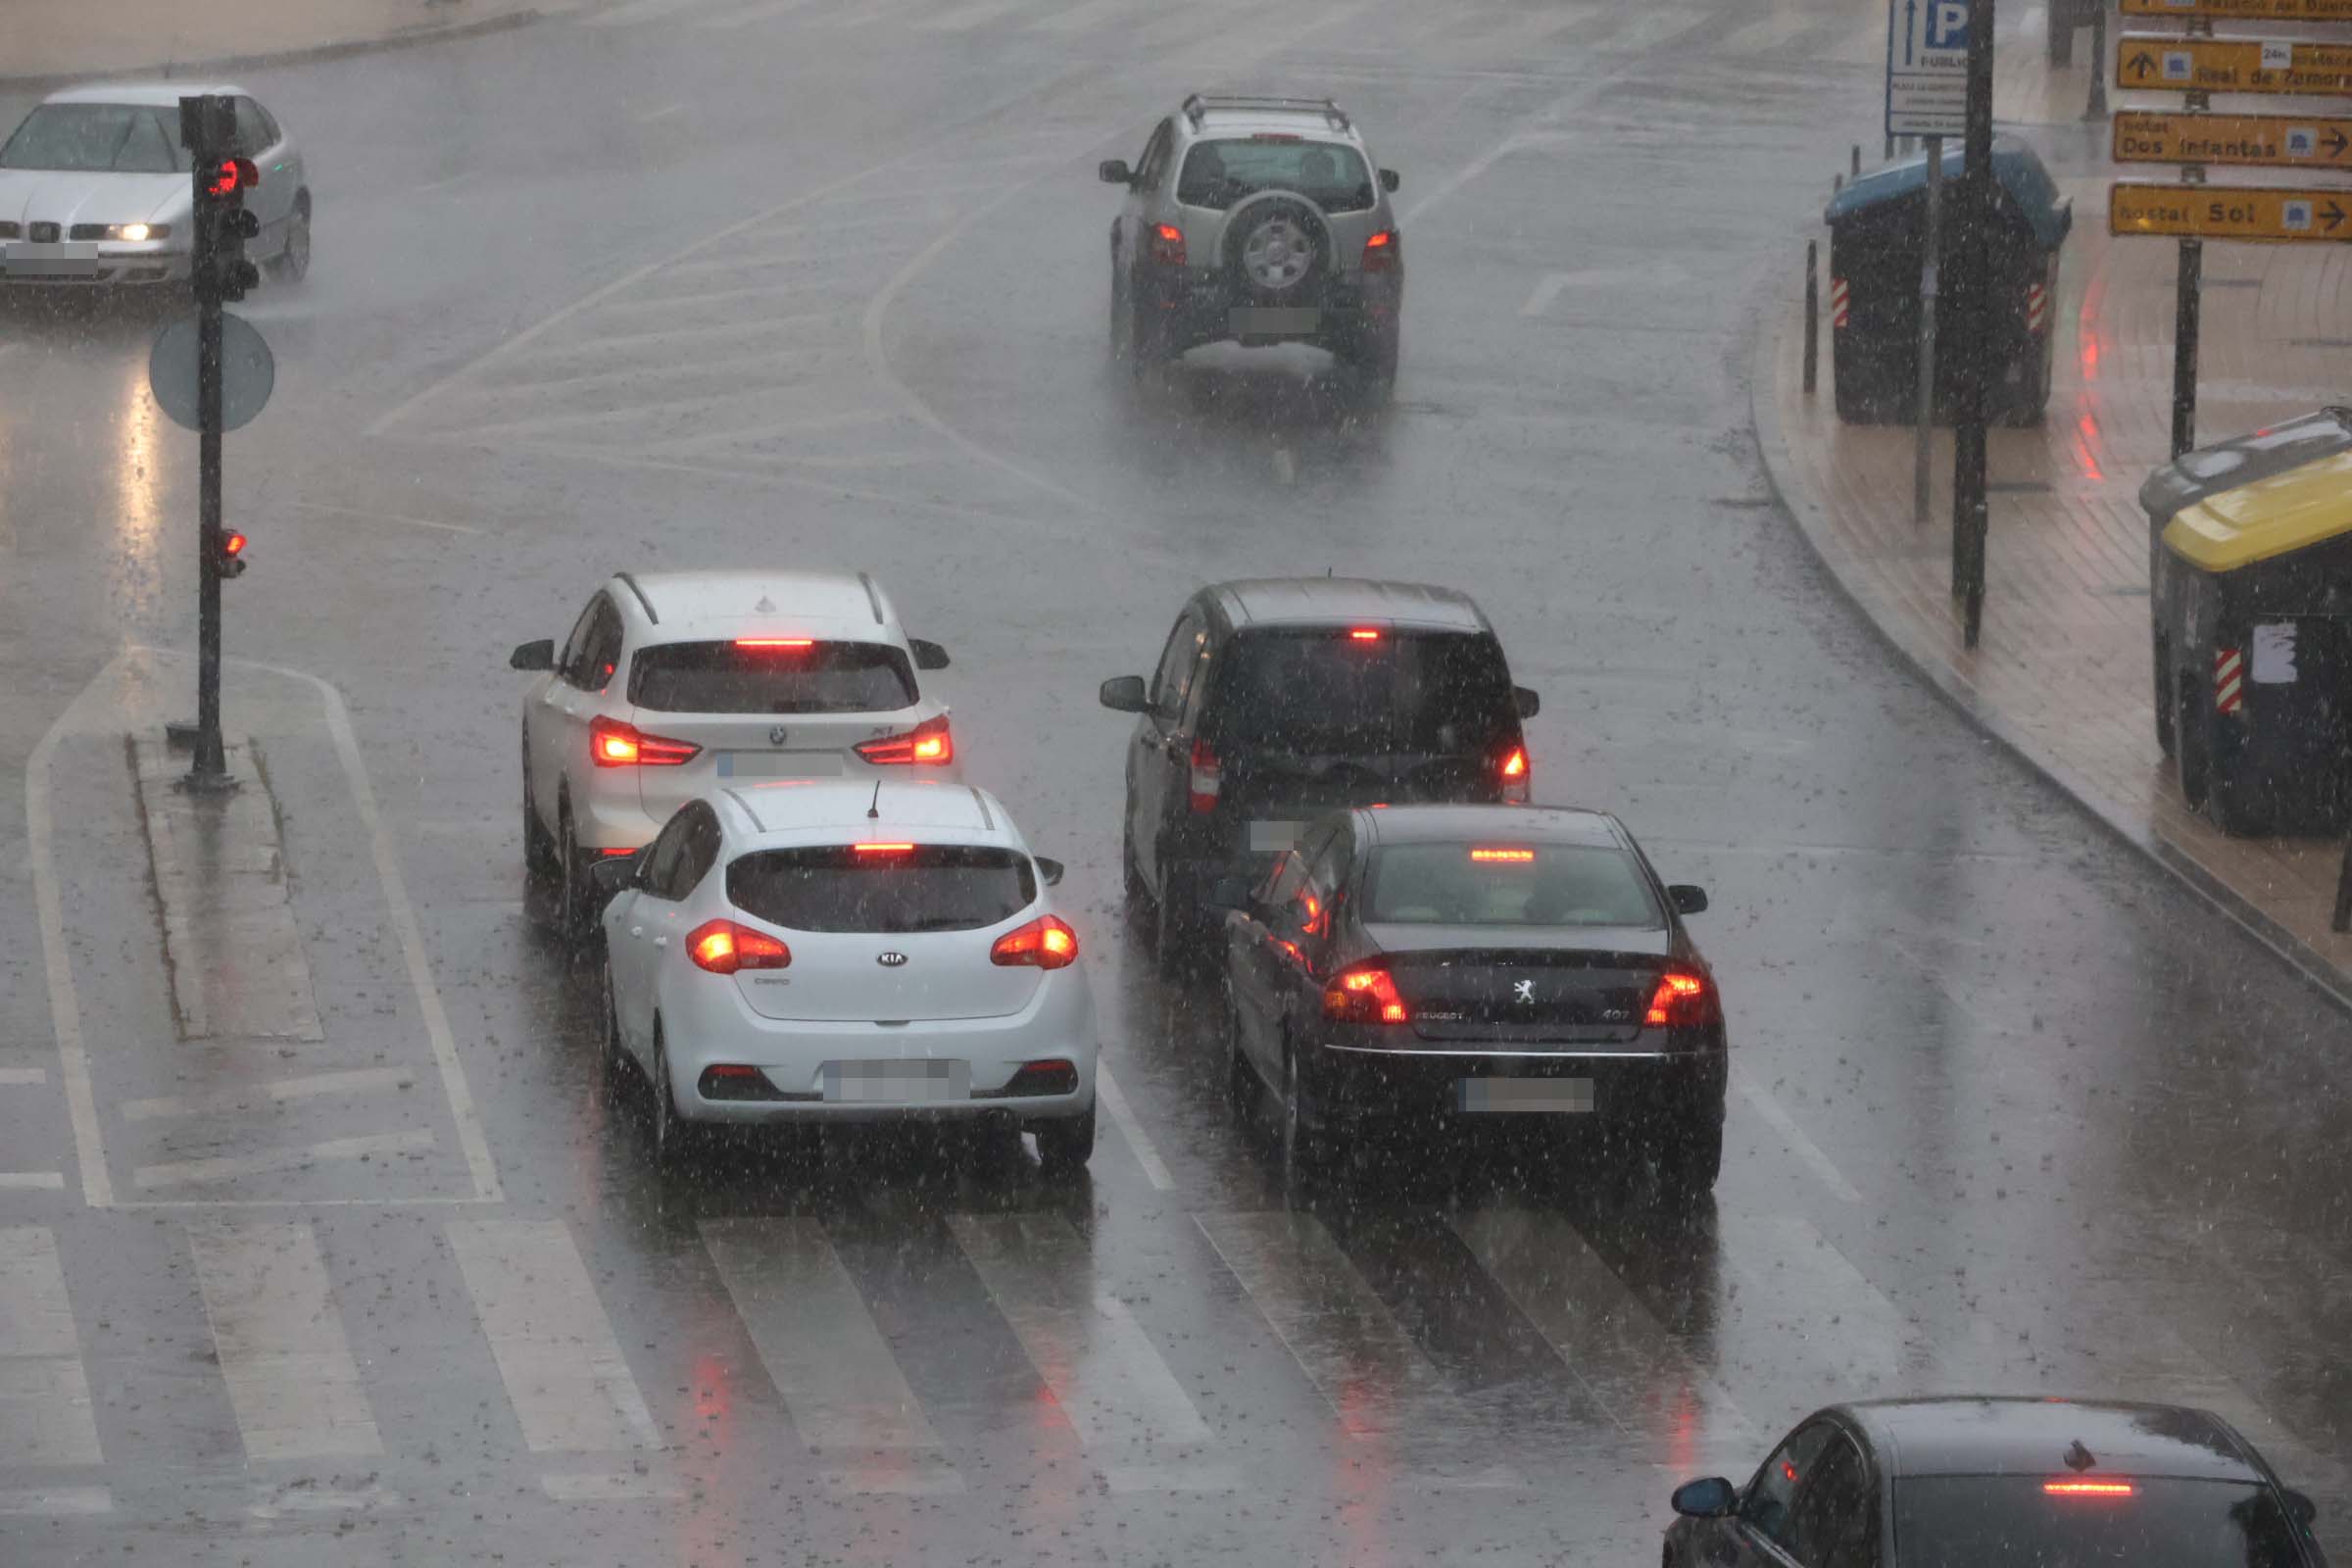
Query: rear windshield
1325	693
1331	174
1513	884
96	139
932	887
1969	1521
728	677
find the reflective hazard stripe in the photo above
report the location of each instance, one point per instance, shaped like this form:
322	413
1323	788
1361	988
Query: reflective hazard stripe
2037	307
2228	686
1838	301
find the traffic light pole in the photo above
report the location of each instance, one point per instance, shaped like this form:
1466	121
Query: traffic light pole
1971	212
211	768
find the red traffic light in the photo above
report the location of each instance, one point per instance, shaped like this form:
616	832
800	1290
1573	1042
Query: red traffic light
233	544
233	174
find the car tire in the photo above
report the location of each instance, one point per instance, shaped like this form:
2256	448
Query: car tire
1176	944
1241	1078
1376	358
538	850
1276	250
670	1134
1690	1154
612	1056
1065	1145
292	262
572	881
1305	1151
1131	876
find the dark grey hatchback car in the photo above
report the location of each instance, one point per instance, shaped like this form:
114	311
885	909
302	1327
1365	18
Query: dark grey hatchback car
2022	1483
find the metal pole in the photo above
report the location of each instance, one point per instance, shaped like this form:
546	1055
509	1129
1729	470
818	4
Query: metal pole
2096	109
1854	158
1812	318
211	769
2187	294
1972	211
1930	258
2341	919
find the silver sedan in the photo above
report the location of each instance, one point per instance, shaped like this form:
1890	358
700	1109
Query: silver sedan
95	188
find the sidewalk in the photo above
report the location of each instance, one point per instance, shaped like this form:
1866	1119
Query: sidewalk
2062	670
96	37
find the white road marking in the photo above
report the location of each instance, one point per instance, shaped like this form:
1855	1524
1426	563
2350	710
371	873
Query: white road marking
1106	1090
24	1075
277	1089
637	11
663	113
1109	1380
564	1371
386	516
431	185
1334	1324
47	1181
618	1485
306	1499
291	1380
45	1413
1760	1100
228	1168
64	1006
56	1500
764	11
647	375
971	17
849	418
1824	1323
841	1385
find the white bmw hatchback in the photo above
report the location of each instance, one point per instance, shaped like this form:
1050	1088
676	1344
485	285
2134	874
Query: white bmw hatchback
842	951
673	683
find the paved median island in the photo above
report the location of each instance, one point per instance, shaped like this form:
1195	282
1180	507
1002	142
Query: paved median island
50	42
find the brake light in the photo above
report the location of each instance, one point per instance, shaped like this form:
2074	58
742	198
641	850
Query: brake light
722	947
1207	776
1682	1001
613	744
1045	943
928	742
882	849
1382	251
775	642
1365	996
1513	770
1364	634
2088	1489
1502	856
1167	245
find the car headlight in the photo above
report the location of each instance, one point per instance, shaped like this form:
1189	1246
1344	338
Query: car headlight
133	233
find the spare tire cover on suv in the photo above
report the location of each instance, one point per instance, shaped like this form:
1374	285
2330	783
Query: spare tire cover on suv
1275	245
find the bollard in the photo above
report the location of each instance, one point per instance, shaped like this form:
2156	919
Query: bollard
1889	155
2341	920
1812	318
2096	109
1836	183
1854	158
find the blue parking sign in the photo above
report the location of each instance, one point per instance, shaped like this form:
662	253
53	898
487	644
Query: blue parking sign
1927	67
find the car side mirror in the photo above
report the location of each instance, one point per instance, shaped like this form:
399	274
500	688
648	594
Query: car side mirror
1229	893
1124	694
928	654
1687	899
608	878
1711	1499
1114	172
1051	870
2299	1507
1388	180
1530	704
540	655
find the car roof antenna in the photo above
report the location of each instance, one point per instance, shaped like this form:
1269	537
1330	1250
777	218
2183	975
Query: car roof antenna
873	813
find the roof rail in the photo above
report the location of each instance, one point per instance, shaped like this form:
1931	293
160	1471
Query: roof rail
630	578
1198	105
873	597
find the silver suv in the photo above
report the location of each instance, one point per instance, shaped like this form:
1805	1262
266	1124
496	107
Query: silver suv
1255	220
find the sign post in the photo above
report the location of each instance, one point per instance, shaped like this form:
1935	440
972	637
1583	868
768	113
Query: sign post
1927	95
1971	287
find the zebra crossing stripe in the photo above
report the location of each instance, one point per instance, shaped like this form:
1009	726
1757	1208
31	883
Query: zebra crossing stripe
291	1380
45	1413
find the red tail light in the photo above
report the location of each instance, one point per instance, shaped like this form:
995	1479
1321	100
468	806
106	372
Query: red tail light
612	744
1365	996
1682	1001
1167	245
1514	774
1045	943
2088	1489
722	947
928	742
775	642
882	849
1207	776
1383	251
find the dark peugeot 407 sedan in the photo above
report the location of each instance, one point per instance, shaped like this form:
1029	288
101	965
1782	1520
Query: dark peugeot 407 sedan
1455	968
2021	1483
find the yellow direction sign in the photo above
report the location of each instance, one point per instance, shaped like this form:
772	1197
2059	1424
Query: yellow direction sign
2220	211
2273	142
2151	62
2244	10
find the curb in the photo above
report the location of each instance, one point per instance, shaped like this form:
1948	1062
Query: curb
285	57
1771	333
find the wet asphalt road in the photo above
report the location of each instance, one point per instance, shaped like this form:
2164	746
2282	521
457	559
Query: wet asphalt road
698	282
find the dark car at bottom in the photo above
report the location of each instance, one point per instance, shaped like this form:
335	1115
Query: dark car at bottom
2021	1483
1450	969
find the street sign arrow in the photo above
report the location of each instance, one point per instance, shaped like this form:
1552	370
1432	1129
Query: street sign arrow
2233	64
2335	142
2142	65
2227	212
2256	141
2332	215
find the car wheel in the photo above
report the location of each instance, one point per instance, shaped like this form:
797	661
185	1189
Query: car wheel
1177	936
2191	760
1276	249
538	854
1241	1078
670	1134
1375	360
612	1055
1690	1154
1064	1146
572	886
1131	876
1303	1145
292	264
1122	324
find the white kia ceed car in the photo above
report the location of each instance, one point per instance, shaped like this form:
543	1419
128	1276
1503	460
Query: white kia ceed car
831	951
677	682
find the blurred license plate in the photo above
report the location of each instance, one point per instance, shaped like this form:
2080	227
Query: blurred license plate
1267	320
1265	837
779	764
897	1082
54	261
1560	1095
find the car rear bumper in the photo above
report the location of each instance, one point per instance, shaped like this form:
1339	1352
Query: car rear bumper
1340	315
716	1026
1462	1089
